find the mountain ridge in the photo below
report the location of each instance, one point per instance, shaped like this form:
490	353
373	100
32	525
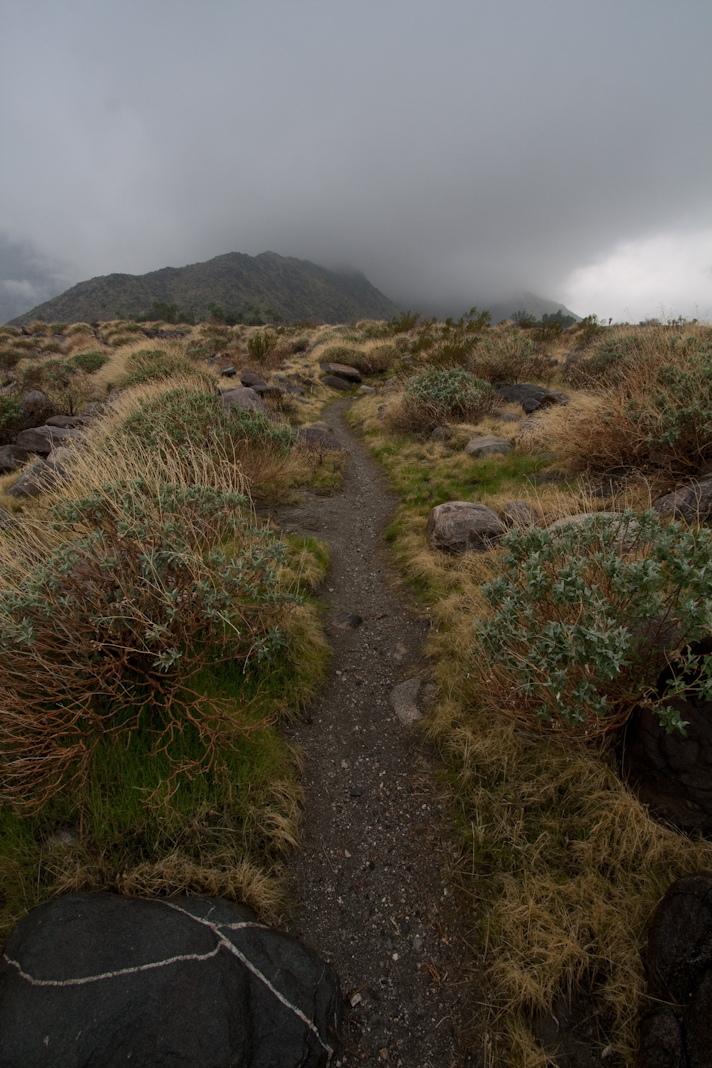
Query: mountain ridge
289	287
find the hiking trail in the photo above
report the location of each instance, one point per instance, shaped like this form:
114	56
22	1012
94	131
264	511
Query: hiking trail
369	881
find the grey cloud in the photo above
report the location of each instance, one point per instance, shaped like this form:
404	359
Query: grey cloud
451	151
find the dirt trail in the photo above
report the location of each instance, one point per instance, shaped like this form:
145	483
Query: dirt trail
369	882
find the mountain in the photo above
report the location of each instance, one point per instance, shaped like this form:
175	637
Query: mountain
291	288
504	308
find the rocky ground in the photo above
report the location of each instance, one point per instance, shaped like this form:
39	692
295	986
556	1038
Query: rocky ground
370	883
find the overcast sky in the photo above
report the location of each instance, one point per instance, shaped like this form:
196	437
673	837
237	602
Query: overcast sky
453	150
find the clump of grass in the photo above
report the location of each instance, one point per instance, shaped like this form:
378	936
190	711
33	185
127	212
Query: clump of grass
148	365
510	358
651	407
436	396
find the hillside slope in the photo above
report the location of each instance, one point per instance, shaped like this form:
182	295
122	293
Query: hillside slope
292	288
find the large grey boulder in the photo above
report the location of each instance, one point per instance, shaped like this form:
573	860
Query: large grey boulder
461	526
487	445
244	397
43	439
693	502
103	980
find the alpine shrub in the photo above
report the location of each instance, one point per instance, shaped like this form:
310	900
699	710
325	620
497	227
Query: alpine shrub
434	396
586	617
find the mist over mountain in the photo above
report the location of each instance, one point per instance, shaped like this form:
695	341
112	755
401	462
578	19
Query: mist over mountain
248	286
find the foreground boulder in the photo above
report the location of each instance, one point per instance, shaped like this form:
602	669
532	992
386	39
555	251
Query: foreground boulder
102	980
461	526
693	502
679	962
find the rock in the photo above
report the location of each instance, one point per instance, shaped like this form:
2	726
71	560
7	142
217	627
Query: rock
343	370
625	538
519	514
36	403
336	383
92	410
367	389
505	417
6	518
114	395
459	526
316	438
244	397
661	1041
672	773
66	422
404	701
487	445
228	372
693	502
43	438
249	378
680	938
526	391
698	1025
184	982
679	962
42	475
262	389
348	621
12	457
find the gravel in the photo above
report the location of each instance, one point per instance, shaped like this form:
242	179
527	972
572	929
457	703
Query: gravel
371	889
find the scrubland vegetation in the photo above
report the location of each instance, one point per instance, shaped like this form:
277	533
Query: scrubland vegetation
543	646
146	611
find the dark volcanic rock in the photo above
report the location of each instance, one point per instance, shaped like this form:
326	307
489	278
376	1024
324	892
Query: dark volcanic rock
661	1041
249	378
680	939
672	773
334	382
41	475
679	962
104	980
12	457
532	398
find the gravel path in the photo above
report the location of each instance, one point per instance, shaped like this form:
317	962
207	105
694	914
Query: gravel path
370	882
